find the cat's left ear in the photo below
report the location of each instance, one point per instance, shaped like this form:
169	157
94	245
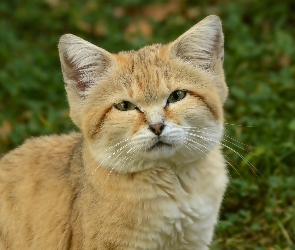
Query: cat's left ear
202	45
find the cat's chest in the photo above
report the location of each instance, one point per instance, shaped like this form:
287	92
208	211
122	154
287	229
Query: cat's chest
159	211
181	220
173	222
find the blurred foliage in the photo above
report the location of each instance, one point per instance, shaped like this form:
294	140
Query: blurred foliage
259	207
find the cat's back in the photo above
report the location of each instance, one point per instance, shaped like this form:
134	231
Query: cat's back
36	191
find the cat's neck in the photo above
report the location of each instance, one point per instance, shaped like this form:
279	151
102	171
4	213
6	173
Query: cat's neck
156	172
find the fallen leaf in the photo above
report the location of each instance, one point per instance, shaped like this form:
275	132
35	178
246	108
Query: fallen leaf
53	3
145	28
100	29
142	27
5	129
193	13
159	12
83	26
284	60
119	12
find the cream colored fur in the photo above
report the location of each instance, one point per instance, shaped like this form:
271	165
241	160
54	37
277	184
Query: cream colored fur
108	187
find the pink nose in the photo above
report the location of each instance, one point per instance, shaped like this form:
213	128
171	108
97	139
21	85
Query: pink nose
157	128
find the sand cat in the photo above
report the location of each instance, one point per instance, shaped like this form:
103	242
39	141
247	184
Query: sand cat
146	172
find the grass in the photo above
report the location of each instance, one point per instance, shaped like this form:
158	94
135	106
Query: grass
259	207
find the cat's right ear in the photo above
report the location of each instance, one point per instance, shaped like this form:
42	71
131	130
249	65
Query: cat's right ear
83	66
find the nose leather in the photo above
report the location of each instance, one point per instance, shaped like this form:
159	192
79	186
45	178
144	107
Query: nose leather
157	128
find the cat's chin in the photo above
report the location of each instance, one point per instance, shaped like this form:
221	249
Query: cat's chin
160	150
159	145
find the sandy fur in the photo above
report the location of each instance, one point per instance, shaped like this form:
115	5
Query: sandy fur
54	205
104	188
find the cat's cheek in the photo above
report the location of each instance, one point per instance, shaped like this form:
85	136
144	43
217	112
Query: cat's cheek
130	122
198	118
93	120
174	115
210	100
139	122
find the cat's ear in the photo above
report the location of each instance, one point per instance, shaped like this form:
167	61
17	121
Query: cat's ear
83	66
201	46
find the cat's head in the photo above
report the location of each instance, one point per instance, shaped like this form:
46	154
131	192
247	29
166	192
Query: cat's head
163	102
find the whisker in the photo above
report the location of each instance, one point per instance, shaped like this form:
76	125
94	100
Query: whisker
128	158
199	151
224	134
239	125
228	161
117	144
233	143
228	147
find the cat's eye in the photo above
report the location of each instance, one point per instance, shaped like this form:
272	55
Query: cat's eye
176	96
125	105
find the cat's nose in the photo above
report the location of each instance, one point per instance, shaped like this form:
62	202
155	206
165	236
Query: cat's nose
157	128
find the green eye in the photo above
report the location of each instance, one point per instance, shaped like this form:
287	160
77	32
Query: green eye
176	96
125	105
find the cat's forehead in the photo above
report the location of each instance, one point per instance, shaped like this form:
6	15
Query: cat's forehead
145	73
150	74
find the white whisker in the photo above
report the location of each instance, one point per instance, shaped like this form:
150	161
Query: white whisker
228	147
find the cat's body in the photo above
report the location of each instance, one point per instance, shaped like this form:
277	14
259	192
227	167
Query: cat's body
50	207
146	173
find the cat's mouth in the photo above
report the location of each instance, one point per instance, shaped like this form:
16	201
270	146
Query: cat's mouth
159	145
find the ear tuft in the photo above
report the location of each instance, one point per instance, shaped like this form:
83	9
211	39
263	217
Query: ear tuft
83	64
201	46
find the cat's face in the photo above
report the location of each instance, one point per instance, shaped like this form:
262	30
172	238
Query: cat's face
161	103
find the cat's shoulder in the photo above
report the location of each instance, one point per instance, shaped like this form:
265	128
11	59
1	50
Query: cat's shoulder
43	152
54	143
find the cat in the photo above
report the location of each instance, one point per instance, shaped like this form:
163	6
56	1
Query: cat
146	172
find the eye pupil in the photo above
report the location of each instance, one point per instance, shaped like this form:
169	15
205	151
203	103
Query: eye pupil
125	105
176	94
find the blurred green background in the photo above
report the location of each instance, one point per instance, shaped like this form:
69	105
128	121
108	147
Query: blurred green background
259	207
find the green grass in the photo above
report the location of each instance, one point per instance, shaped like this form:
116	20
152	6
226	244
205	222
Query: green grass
259	207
